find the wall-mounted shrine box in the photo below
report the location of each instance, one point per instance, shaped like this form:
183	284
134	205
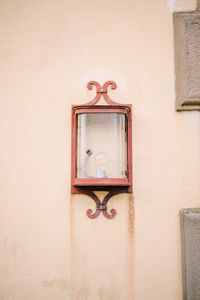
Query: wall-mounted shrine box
101	144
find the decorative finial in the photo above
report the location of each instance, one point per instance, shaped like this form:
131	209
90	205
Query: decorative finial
102	90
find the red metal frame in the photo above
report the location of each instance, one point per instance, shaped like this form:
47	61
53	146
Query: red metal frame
112	185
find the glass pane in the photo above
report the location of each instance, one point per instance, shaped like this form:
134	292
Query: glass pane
102	146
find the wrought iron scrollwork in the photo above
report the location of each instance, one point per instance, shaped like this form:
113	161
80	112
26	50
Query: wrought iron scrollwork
102	206
102	91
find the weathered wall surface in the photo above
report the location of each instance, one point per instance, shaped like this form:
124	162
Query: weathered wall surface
49	249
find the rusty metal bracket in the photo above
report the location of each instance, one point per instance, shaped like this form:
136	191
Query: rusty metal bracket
102	206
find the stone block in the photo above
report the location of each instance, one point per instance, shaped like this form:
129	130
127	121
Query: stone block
190	249
187	59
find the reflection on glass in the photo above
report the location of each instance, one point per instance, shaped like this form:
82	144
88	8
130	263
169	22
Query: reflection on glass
102	146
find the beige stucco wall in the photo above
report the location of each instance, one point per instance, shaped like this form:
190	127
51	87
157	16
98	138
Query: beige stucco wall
49	249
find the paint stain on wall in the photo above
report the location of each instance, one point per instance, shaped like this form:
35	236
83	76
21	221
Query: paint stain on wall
56	283
107	294
131	216
12	256
81	292
130	241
